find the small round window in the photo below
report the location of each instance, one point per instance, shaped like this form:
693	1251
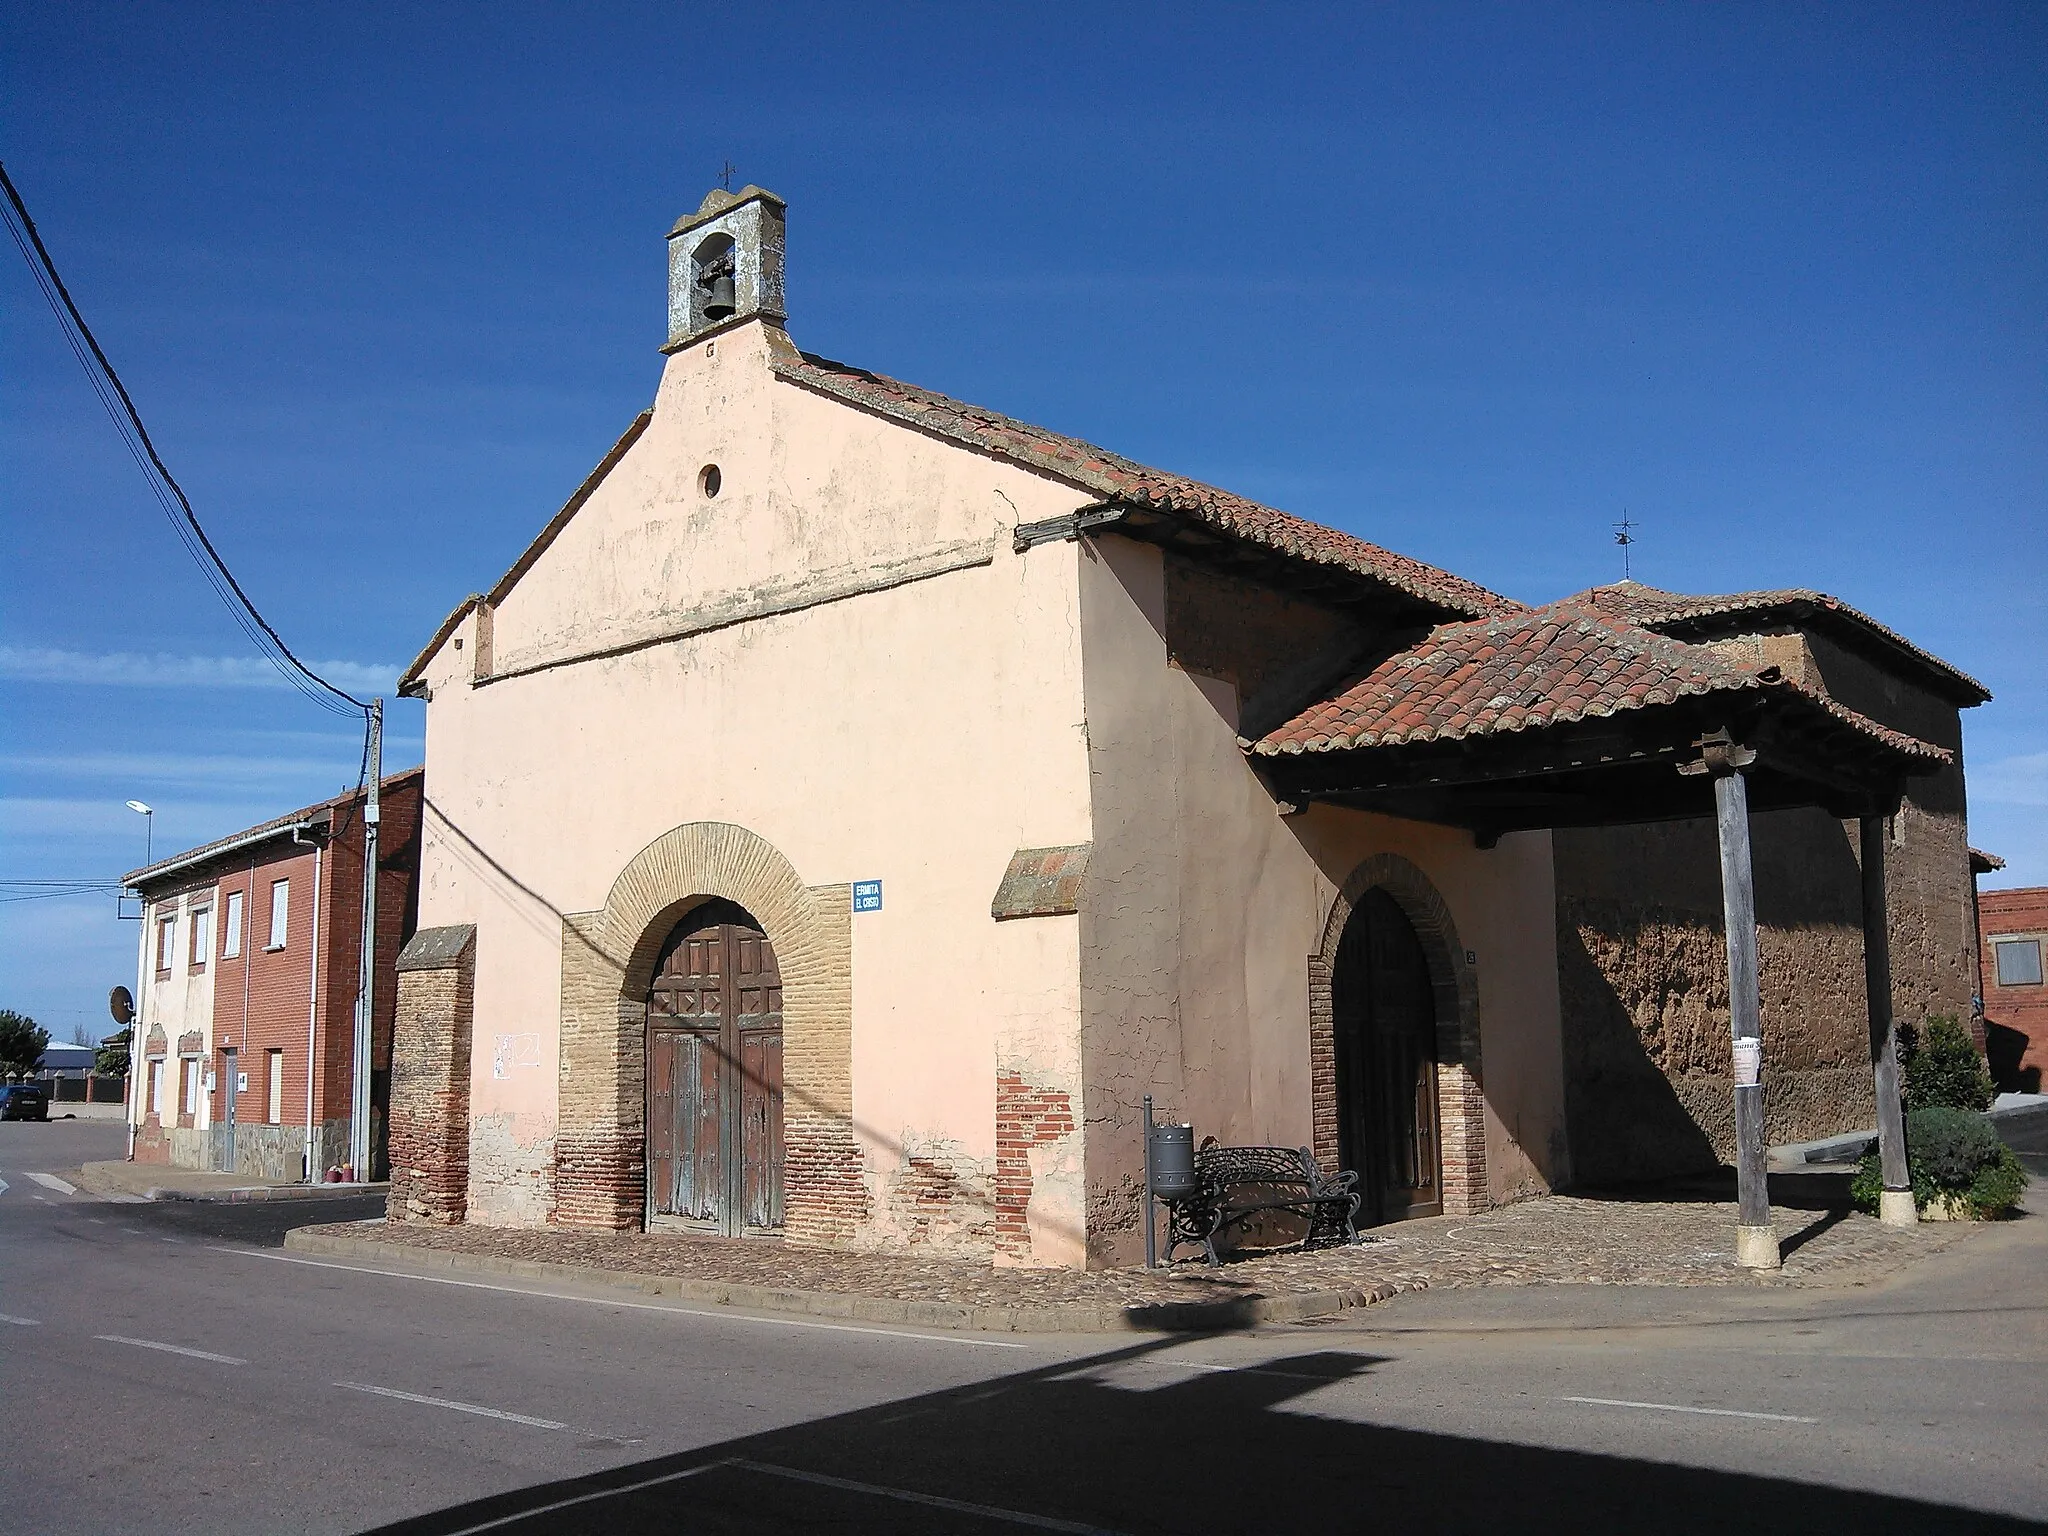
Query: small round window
709	480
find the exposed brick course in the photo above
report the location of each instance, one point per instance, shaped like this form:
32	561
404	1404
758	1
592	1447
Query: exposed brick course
1461	1111
607	963
430	1078
1027	1115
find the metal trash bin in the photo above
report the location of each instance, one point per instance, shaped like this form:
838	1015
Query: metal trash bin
1173	1162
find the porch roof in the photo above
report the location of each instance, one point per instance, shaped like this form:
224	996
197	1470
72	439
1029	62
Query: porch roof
1566	716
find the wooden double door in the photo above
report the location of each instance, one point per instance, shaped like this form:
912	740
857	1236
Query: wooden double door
1384	1011
714	1076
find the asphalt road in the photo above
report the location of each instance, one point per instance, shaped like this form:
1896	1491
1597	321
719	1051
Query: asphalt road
168	1368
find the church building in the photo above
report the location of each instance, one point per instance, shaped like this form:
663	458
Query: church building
855	802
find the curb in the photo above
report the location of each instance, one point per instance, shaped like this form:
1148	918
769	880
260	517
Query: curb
246	1194
2018	1114
1851	1146
1067	1317
1846	1148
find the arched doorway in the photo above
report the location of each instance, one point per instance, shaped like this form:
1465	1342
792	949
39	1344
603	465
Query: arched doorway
714	1076
1384	1017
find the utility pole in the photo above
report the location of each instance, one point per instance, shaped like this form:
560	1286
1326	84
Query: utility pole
1756	1245
1895	1206
366	986
1725	760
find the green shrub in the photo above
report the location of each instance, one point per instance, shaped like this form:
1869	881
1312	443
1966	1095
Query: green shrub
1953	1153
1942	1067
1951	1144
1868	1185
1999	1185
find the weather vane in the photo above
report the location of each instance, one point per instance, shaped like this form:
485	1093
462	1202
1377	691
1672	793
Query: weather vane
725	175
1624	536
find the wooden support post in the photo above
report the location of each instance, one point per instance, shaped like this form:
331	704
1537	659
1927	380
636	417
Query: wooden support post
1756	1244
1895	1204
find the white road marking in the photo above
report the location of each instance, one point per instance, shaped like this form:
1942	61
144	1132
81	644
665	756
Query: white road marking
585	1498
3	1186
929	1500
44	1198
446	1402
51	1181
1718	1413
20	1322
169	1349
637	1306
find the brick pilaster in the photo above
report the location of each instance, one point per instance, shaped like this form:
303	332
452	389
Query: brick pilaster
430	1076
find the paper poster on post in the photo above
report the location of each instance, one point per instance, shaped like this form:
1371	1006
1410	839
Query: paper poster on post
1749	1063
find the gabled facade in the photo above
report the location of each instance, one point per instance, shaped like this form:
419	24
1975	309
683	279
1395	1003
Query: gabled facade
855	803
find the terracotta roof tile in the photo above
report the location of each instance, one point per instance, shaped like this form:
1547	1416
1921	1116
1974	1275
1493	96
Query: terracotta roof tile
1682	614
1547	666
1116	478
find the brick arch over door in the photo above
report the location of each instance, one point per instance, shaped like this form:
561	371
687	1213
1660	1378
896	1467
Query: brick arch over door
1455	990
608	960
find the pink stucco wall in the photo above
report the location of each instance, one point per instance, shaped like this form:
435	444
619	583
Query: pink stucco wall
1205	905
915	733
842	653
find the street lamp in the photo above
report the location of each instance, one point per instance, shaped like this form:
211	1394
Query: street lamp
148	825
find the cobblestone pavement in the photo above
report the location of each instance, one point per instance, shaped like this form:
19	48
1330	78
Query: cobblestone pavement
1553	1241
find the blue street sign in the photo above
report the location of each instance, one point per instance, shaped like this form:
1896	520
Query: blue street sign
867	895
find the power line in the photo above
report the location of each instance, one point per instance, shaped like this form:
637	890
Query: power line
362	778
55	890
143	450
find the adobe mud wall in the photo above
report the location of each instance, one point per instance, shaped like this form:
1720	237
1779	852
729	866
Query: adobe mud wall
1643	969
1643	982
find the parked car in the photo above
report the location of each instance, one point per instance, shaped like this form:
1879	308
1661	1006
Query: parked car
24	1101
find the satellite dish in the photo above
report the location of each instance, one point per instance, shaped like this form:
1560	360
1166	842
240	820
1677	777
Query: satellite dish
121	1004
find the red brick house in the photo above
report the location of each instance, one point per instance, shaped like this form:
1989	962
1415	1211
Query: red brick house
2015	929
247	983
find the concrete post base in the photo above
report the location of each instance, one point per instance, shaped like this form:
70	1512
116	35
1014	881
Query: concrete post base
1756	1248
1895	1208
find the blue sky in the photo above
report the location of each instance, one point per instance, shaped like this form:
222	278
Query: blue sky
1468	280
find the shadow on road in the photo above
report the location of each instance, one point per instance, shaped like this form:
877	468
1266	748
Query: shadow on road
1124	1442
260	1223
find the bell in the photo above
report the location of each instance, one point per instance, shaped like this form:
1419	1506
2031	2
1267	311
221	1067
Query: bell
721	300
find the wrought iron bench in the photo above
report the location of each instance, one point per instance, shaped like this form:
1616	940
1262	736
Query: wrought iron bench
1240	1188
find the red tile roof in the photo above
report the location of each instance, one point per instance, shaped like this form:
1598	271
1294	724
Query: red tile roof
276	826
1548	666
1683	614
1117	479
